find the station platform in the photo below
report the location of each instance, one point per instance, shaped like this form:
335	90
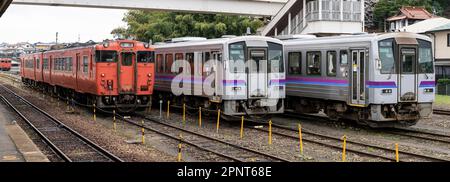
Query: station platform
15	145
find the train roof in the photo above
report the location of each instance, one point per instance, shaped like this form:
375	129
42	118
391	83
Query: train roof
216	41
354	38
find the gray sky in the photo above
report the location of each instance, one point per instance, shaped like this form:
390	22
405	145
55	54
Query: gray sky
22	23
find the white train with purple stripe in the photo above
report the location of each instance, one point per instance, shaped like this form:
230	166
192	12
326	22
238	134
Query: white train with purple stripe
376	79
239	75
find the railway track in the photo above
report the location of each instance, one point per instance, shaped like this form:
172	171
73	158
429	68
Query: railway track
65	142
432	136
441	112
359	148
226	150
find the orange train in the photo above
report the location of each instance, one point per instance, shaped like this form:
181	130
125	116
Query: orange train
115	74
5	64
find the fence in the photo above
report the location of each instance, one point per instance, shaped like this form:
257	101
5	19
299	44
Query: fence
443	89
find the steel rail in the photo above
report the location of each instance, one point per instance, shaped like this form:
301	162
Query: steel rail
88	142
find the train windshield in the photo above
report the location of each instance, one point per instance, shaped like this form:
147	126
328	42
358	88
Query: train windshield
387	56
237	57
425	57
105	56
275	58
145	56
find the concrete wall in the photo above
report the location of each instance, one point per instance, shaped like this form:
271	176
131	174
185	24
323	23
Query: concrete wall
442	49
333	27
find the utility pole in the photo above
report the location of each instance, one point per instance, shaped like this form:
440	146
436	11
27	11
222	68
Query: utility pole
56	38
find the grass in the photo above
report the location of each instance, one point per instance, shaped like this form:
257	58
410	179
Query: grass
442	100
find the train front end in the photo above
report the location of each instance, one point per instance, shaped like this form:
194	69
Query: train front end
403	85
124	75
253	80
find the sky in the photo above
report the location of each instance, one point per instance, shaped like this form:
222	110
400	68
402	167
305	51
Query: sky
24	23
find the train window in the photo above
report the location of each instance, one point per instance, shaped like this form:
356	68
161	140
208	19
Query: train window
344	58
70	64
425	57
127	59
408	59
159	63
85	64
190	60
313	63
331	63
169	62
179	56
237	57
38	63
295	60
45	64
387	58
105	56
145	56
276	63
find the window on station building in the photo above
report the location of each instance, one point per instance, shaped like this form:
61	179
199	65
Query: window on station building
448	40
295	62
169	62
331	63
313	63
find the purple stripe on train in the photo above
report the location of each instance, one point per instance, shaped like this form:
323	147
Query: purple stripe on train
427	84
376	84
317	81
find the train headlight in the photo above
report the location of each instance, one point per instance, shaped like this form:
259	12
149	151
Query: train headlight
387	91
103	74
146	45
428	90
149	75
106	44
236	88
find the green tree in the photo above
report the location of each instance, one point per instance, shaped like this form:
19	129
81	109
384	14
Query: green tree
160	26
387	8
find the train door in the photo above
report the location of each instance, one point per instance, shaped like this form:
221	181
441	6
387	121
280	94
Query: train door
50	68
77	68
257	73
217	57
358	84
126	73
407	77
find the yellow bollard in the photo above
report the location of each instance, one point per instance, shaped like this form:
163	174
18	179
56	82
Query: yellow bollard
143	132
168	109
200	117
343	148
184	114
242	127
300	138
396	153
270	132
218	121
179	148
95	117
114	120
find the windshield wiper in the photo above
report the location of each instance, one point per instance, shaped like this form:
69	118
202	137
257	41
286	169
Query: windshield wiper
391	72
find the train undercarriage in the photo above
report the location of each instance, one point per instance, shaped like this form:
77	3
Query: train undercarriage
374	115
124	103
230	109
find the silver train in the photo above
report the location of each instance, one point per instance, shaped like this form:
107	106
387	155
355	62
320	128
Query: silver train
380	80
237	85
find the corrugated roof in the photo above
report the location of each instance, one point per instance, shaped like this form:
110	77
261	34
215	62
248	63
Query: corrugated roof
412	12
426	25
441	28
